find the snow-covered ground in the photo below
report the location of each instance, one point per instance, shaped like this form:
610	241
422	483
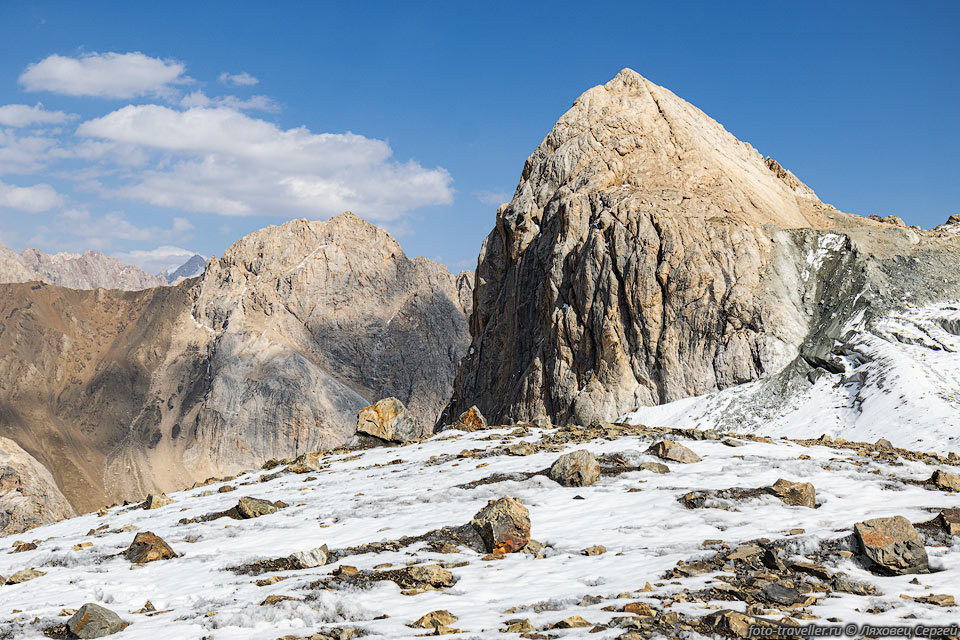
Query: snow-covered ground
901	381
385	493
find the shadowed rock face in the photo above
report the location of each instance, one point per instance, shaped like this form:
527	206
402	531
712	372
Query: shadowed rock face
270	354
648	256
28	494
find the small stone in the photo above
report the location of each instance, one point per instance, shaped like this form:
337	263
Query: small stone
305	463
639	609
945	481
542	421
573	622
891	546
577	469
518	625
670	450
389	420
225	489
795	494
66	613
745	552
470	420
811	569
780	594
434	619
772	561
249	507
796	532
654	467
274	599
845	585
94	621
148	547
154	501
503	525
419	576
25	575
595	550
146	608
310	559
883	443
938	599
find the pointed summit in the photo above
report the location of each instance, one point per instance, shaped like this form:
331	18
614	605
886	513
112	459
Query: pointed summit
633	132
632	266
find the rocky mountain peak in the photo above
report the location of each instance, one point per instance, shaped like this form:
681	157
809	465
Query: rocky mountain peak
648	256
88	270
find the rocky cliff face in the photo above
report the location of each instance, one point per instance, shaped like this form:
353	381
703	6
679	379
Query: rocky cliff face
648	256
88	270
29	496
270	354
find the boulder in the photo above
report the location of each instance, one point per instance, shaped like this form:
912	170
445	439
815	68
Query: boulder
503	525
148	547
470	420
654	467
950	521
945	481
305	463
310	559
154	501
890	546
249	507
419	576
94	621
577	469
573	622
388	420
670	450
434	619
25	575
795	494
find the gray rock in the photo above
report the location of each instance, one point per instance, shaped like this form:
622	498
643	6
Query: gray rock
576	469
775	592
891	546
93	621
388	420
310	559
670	450
653	467
29	496
249	507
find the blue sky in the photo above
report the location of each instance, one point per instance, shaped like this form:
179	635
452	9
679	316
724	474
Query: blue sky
189	124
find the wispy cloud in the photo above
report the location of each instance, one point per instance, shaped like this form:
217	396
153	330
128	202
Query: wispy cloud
108	75
242	79
22	115
32	199
232	164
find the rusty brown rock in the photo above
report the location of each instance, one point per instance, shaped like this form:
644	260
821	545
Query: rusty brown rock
796	494
891	546
148	547
503	525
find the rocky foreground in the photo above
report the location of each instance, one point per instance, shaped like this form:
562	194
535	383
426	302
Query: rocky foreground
528	531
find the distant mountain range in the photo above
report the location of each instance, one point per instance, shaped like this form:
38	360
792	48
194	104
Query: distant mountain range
88	270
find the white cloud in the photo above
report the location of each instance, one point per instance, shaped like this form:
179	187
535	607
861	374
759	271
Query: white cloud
25	154
22	115
109	75
229	163
156	260
253	103
242	79
33	199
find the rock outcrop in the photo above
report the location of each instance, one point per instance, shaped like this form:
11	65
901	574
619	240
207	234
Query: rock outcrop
88	270
648	256
29	496
270	354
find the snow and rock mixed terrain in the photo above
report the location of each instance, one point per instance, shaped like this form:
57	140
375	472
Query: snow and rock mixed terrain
652	547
